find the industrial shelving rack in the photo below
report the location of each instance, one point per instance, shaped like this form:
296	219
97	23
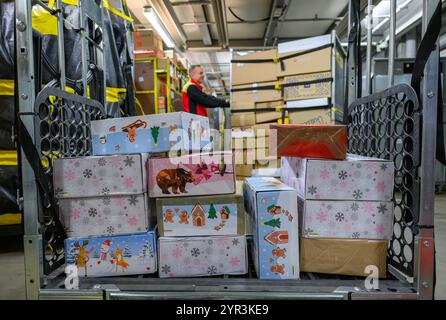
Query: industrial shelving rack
411	267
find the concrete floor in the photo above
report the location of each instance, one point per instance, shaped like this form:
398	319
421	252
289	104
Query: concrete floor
12	277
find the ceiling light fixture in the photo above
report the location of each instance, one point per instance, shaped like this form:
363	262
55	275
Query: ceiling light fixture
154	20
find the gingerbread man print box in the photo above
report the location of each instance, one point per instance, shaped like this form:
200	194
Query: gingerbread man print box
102	195
191	175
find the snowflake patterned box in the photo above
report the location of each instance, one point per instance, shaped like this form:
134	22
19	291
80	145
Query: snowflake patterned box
356	178
102	195
203	216
272	208
190	175
202	256
346	219
112	256
151	133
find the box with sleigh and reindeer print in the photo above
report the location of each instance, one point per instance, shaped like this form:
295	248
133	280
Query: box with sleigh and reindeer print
201	216
272	208
102	195
174	131
112	256
202	256
191	175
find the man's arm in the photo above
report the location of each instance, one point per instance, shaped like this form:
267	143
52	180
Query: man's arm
205	99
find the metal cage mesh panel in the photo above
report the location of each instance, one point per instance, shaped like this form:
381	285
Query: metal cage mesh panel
62	125
387	125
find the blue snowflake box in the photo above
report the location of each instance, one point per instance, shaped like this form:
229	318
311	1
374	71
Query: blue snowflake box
202	256
102	195
357	178
272	208
112	256
151	133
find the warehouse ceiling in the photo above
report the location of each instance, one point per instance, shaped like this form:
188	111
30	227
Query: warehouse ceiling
207	29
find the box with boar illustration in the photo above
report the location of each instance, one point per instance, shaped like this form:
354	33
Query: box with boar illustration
151	133
356	178
202	256
272	208
191	175
113	255
308	141
201	216
102	195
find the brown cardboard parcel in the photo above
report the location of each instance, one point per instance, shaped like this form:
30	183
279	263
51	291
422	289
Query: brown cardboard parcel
147	40
245	73
343	256
246	99
268	116
243	170
242	119
310	116
313	62
308	91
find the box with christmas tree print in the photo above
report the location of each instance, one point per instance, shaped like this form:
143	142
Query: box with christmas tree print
201	216
272	208
151	133
102	195
112	256
202	256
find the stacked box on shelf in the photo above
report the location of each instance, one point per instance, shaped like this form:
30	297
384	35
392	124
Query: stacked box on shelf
272	209
148	44
345	207
174	131
201	220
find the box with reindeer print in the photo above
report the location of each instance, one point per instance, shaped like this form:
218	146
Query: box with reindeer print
102	195
151	133
201	216
112	256
191	175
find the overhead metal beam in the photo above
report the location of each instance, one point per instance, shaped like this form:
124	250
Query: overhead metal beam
190	3
262	22
200	14
220	19
239	44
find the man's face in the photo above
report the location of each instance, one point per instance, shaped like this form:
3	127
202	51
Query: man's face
197	75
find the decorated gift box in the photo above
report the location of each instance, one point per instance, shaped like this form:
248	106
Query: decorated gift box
308	141
272	209
207	215
102	195
151	133
112	256
196	174
346	219
202	256
356	178
343	256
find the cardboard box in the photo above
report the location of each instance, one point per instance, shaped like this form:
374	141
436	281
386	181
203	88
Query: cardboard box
205	216
147	40
262	130
191	175
147	102
247	99
243	143
244	156
269	116
150	133
243	170
309	141
246	73
144	75
312	62
243	119
308	91
263	156
346	219
343	256
272	208
357	178
310	116
102	195
112	256
202	256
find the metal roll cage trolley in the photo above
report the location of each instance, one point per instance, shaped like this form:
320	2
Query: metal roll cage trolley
399	123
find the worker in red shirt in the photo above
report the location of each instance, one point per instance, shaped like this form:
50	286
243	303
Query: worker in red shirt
194	99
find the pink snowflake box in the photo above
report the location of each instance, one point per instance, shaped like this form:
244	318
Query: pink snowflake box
346	219
202	256
102	195
356	178
112	256
201	216
191	175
